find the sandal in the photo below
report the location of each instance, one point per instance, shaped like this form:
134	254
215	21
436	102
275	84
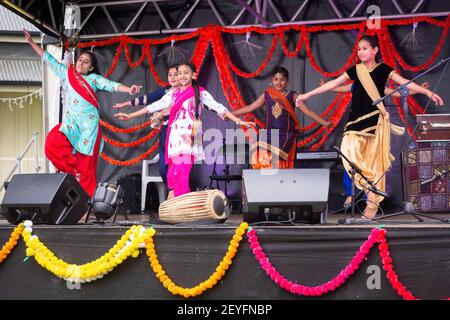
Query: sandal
370	211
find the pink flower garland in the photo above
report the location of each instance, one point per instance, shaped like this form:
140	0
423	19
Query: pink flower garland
306	290
376	236
389	268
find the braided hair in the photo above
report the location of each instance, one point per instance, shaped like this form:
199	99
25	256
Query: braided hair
195	86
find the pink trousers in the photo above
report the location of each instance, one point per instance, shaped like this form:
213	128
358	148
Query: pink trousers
178	174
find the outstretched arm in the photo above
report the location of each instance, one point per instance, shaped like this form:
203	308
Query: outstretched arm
143	100
163	103
129	116
258	103
238	121
312	115
413	86
344	88
134	89
325	88
387	90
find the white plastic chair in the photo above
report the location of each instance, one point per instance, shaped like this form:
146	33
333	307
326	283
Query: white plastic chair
150	173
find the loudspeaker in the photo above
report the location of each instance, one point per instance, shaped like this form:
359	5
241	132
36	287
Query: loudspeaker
51	198
131	184
285	195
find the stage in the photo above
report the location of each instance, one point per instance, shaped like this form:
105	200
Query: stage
310	255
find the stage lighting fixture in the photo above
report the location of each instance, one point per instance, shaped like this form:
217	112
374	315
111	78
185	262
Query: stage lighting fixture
106	201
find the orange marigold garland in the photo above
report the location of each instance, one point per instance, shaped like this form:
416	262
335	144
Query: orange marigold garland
130	144
205	285
124	130
12	242
131	162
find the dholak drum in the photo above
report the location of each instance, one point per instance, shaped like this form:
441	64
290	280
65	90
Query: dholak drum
195	206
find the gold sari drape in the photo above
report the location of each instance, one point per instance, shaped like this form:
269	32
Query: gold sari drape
371	153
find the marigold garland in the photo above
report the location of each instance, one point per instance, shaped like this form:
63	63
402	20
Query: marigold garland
127	246
262	66
298	47
151	66
428	63
377	235
316	291
205	285
124	130
130	144
133	161
131	63
12	242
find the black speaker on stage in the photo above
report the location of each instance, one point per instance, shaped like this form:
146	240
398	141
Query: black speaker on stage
131	184
51	198
286	195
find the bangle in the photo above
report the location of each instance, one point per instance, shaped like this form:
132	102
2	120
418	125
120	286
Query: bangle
238	122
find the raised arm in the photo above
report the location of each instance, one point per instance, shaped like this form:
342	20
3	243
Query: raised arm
59	69
330	85
420	89
30	41
258	103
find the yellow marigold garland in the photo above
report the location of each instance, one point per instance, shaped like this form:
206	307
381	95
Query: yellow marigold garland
128	245
12	242
205	285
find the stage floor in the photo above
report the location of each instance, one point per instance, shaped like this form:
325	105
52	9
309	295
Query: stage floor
333	220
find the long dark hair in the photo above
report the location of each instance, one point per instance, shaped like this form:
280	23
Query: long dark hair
94	64
195	86
373	41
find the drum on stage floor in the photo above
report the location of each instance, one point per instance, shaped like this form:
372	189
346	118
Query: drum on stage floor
203	205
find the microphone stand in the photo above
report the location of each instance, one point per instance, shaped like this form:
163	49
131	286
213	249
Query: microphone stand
355	170
408	206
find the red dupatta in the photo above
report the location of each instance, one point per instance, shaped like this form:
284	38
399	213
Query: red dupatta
82	87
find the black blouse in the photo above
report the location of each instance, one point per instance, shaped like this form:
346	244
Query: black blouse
361	102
